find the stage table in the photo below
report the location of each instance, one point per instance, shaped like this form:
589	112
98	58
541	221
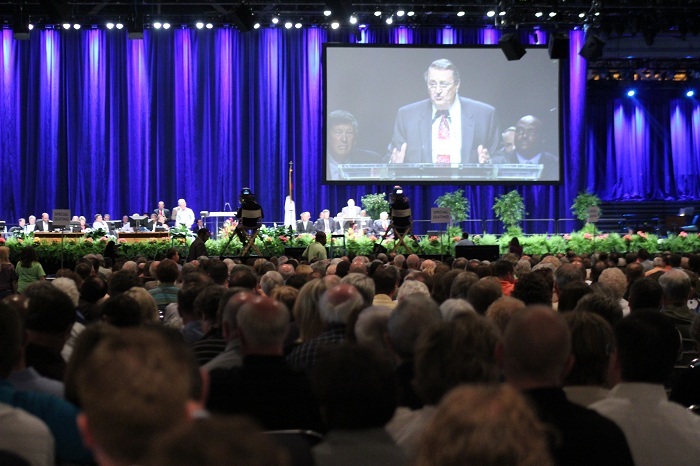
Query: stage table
138	237
57	236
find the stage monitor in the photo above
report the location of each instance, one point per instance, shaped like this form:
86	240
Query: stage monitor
446	104
483	253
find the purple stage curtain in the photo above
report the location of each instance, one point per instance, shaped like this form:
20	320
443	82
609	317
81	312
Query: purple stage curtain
94	122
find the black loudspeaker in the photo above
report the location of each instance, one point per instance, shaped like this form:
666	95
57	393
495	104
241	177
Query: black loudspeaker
592	48
559	47
511	46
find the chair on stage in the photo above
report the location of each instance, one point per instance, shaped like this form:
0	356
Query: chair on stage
693	227
400	226
247	231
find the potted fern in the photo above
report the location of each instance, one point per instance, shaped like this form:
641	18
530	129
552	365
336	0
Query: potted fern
510	210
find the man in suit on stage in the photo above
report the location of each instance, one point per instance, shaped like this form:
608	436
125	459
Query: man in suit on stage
45	224
305	225
528	149
161	210
445	128
325	223
382	225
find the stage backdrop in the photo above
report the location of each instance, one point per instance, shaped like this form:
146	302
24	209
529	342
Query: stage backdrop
94	122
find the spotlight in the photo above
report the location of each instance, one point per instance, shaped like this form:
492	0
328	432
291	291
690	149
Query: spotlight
389	20
631	93
400	13
327	13
582	15
490	13
288	25
353	19
256	26
166	25
501	13
512	47
460	13
199	25
275	20
110	26
121	26
30	27
410	13
690	93
210	26
377	13
157	25
76	26
66	26
552	14
298	25
538	14
335	25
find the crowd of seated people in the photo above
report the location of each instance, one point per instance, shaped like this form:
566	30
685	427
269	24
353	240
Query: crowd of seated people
389	360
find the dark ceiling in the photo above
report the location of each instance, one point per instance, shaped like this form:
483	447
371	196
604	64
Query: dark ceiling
613	16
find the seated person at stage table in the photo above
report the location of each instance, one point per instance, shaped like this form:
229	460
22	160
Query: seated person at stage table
126	225
382	225
99	223
326	224
83	223
24	228
183	215
465	241
400	212
161	210
316	249
160	223
305	225
444	128
44	225
31	227
342	131
528	149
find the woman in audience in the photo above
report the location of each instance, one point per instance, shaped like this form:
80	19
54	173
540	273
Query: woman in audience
8	276
29	270
306	312
484	425
515	248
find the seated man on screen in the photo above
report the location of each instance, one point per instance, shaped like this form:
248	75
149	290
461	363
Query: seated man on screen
342	131
305	225
528	148
444	128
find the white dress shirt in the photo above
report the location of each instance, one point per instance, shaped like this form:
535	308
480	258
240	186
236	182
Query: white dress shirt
658	431
184	217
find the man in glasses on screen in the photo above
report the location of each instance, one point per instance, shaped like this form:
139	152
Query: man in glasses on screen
341	144
529	148
445	128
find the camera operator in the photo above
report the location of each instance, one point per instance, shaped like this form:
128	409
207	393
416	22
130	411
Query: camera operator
249	214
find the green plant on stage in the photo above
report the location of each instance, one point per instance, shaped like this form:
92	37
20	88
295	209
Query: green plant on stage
510	210
582	203
457	203
375	204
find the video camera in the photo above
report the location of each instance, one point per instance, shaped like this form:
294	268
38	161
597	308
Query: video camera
246	195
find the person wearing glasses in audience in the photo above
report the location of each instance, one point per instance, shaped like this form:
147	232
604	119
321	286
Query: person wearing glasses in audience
445	128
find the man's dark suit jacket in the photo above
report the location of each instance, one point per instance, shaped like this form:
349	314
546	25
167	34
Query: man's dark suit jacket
166	213
310	227
333	224
414	127
197	249
550	172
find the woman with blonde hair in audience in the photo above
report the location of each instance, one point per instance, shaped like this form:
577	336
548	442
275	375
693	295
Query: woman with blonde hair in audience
8	276
484	425
147	305
306	312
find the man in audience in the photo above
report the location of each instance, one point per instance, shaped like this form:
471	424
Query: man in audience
385	286
536	356
484	292
411	316
658	431
166	291
59	415
264	387
134	386
229	306
50	317
675	285
205	307
645	293
503	270
357	393
336	306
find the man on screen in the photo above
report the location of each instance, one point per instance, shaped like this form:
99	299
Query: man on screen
342	132
444	128
528	143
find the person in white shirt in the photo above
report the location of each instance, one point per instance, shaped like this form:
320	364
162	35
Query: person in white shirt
183	214
32	224
658	431
126	227
99	223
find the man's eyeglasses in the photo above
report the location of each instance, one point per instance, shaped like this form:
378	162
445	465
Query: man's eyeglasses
443	85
